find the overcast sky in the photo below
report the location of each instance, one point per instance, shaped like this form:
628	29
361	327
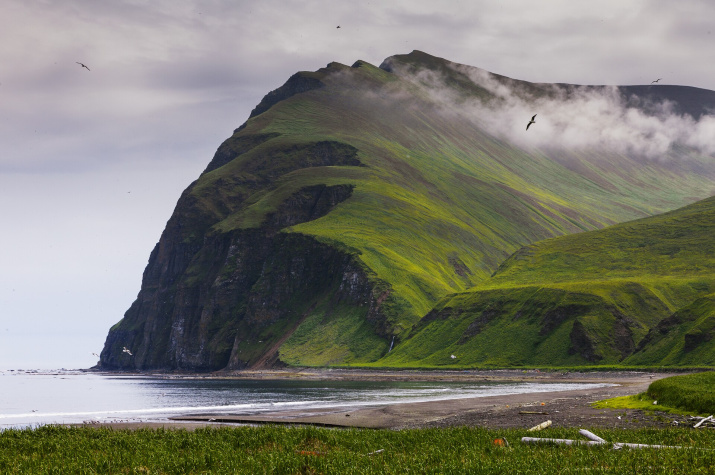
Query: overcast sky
93	161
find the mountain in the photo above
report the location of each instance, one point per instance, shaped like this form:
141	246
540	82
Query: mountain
355	198
637	293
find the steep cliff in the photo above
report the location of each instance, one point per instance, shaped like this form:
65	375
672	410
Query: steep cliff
224	304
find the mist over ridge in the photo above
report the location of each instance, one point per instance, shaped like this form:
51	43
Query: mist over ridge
631	120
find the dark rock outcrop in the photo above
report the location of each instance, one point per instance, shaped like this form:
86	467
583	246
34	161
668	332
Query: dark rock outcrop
197	304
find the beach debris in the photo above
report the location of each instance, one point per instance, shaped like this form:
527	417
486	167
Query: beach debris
655	403
704	419
540	440
501	442
393	336
541	426
596	440
452	356
543	413
591	435
376	452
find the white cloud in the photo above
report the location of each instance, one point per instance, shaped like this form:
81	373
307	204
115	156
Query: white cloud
569	117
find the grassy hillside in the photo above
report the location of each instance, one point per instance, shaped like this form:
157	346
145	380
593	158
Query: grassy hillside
640	293
683	339
432	202
437	203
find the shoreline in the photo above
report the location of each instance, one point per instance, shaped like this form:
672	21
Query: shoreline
570	408
354	374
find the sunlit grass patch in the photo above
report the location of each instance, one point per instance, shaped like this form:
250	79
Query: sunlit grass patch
684	394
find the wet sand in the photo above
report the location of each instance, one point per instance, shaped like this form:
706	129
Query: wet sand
564	408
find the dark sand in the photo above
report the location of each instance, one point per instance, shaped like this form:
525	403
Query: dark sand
564	408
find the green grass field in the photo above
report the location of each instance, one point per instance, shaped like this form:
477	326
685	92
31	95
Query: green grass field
272	449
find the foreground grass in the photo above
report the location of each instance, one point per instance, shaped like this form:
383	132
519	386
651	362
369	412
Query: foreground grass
277	449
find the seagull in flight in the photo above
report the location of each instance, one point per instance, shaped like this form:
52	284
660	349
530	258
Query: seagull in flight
126	350
653	82
337	26
532	121
82	64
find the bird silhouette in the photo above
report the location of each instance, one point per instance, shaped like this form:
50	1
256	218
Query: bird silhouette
83	65
337	26
532	121
126	350
653	82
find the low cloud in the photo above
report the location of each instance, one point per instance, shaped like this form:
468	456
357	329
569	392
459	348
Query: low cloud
570	117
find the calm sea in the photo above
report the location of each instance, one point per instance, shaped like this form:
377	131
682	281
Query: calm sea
29	399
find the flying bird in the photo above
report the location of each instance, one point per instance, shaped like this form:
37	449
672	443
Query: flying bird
337	26
653	82
82	64
95	354
126	350
532	121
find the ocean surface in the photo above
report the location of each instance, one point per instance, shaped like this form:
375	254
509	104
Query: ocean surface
30	399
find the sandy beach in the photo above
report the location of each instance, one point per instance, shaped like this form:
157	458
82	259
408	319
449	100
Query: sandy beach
564	408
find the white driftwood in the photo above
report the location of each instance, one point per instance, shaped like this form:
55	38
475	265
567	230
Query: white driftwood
540	440
620	445
592	436
703	420
543	425
616	446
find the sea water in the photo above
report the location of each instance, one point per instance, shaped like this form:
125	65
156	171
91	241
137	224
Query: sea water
30	399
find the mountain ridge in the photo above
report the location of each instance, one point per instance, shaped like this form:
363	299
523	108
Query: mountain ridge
437	201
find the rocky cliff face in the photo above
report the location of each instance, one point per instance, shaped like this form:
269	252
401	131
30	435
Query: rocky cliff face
199	304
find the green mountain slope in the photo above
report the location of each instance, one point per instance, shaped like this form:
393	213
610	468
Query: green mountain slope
638	292
353	200
683	339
